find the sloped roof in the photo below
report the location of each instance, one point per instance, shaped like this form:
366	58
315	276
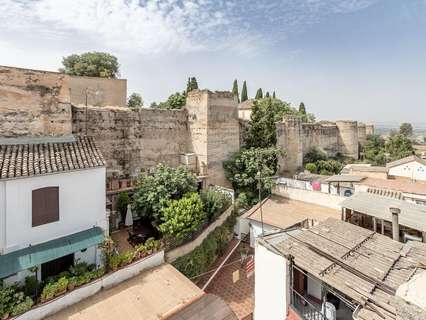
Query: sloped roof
396	185
412	215
33	159
406	160
365	266
344	178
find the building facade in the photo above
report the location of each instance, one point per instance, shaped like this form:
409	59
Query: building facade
52	206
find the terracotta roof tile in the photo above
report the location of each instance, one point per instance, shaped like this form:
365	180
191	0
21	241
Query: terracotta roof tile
26	160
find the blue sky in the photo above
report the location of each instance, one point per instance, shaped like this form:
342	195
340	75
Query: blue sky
345	59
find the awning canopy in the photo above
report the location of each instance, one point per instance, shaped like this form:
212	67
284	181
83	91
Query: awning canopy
23	259
412	215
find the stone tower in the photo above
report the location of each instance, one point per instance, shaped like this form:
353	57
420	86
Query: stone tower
362	134
289	139
214	131
348	138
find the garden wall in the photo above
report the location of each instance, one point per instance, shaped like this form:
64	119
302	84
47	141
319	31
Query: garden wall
315	197
107	281
189	247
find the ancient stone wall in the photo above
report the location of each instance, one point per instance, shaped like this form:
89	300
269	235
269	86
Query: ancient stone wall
289	139
132	140
213	131
100	92
33	103
320	136
223	134
348	138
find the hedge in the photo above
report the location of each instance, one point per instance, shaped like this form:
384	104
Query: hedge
202	257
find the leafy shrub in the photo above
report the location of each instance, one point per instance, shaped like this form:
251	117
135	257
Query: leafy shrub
7	300
181	217
80	268
126	258
200	259
314	155
243	201
215	202
22	307
123	200
311	167
115	261
153	192
31	286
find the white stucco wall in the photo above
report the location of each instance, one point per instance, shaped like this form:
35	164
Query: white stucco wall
412	170
314	197
256	230
81	206
271	289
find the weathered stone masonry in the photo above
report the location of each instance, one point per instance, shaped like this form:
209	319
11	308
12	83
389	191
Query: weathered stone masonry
204	134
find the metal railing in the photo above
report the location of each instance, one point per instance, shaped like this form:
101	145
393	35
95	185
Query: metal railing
306	309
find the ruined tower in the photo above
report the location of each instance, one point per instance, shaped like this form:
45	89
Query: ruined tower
348	138
213	131
289	139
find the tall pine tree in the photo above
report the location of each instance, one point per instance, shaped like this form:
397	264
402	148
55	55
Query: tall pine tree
259	94
262	130
192	84
267	94
302	109
235	90
244	96
273	95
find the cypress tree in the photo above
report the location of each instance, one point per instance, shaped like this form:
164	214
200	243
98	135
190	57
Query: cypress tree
262	130
244	96
273	95
194	83
188	85
267	94
235	90
302	109
259	94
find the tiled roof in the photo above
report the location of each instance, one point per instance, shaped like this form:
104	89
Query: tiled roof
26	160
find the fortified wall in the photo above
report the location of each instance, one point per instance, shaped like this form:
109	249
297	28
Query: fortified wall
201	136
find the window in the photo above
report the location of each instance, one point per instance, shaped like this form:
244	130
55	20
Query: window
45	207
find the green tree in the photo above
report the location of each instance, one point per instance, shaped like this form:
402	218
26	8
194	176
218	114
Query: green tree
398	147
243	168
214	202
302	109
174	101
181	217
152	191
135	101
374	150
313	155
267	94
244	95
259	94
91	64
123	200
406	129
235	90
261	132
192	84
273	95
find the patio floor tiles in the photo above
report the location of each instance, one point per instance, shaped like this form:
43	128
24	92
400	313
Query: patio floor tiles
240	295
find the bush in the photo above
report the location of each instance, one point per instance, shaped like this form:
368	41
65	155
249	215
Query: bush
122	201
215	202
181	217
153	192
314	155
200	259
311	167
22	307
31	286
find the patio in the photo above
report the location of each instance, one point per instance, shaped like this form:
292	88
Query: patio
239	295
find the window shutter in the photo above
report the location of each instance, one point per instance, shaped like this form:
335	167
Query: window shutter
45	206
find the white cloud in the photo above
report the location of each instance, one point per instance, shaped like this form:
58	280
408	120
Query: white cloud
169	26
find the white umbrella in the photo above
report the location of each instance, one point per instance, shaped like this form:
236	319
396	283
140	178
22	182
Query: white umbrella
129	217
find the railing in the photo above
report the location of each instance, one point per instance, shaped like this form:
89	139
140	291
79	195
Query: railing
305	308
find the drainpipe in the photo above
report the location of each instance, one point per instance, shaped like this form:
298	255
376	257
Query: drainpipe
395	223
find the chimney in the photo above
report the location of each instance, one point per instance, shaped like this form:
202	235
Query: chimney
395	223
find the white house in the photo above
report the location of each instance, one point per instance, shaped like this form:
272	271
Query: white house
411	167
337	270
52	206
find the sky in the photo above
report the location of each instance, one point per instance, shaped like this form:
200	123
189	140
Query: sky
345	59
